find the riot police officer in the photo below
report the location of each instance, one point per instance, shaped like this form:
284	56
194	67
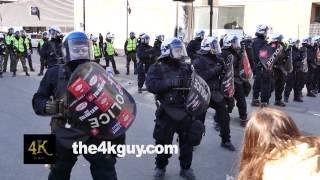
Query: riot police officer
210	66
195	44
43	61
9	42
310	53
96	49
77	49
231	47
259	87
168	80
51	51
279	71
29	52
2	52
157	45
145	53
294	80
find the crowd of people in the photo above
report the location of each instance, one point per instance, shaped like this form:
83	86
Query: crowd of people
272	141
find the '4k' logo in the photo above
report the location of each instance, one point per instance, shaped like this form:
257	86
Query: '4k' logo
38	147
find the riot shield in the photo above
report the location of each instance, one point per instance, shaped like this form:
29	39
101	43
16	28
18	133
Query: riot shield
269	54
198	97
245	68
97	103
305	67
318	57
227	83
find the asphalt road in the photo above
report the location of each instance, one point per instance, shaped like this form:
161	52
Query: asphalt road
210	161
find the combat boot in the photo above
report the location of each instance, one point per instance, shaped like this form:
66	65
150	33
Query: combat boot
0	74
243	122
188	174
27	74
280	103
228	145
14	74
159	173
255	102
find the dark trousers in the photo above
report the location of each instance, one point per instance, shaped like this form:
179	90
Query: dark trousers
265	84
142	70
12	56
295	81
240	97
1	62
131	56
279	82
22	58
256	88
310	79
221	117
102	166
317	78
108	59
163	133
42	64
30	62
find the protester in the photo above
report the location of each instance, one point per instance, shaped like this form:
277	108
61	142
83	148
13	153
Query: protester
274	148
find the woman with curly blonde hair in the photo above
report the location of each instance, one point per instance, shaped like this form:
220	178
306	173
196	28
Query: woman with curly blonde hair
274	149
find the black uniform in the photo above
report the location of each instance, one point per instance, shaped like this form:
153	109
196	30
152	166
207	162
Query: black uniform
145	54
311	53
2	55
239	93
295	79
54	84
52	52
210	68
279	75
171	116
43	61
262	79
157	48
192	48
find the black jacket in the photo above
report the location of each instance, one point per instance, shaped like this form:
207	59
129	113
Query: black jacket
193	47
209	67
257	44
145	53
52	52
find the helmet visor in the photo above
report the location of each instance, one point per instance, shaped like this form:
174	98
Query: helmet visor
79	50
178	51
215	47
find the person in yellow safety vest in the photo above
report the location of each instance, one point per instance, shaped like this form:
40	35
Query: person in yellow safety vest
29	48
43	61
130	47
96	50
9	38
109	53
21	53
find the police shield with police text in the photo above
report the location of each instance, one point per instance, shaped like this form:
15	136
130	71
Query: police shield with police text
78	97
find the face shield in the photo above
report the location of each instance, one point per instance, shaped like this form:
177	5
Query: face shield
236	43
78	50
215	47
178	50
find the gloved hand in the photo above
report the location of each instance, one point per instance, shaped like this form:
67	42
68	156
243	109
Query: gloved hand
54	107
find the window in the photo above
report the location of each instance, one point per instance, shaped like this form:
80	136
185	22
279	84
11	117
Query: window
230	17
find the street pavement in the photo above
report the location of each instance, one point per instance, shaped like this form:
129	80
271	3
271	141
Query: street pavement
210	161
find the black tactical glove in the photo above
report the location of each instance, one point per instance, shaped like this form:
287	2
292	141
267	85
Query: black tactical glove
54	107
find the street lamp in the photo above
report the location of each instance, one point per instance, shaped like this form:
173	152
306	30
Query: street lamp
210	3
84	15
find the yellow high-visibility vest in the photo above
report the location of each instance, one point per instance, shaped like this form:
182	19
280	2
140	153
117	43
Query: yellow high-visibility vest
96	50
41	42
110	49
131	44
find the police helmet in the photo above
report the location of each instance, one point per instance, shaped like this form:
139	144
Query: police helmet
54	31
200	34
307	40
145	39
109	36
10	31
17	33
262	29
160	37
1	36
45	35
231	40
277	38
132	35
94	38
294	42
174	48
77	46
210	45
